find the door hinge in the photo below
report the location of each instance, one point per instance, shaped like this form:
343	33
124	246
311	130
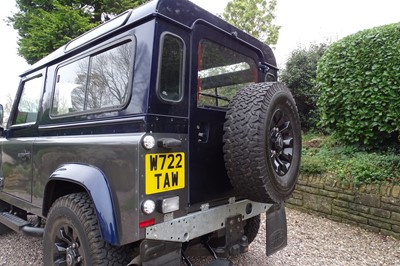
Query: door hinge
263	67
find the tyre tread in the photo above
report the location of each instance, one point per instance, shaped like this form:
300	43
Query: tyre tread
243	141
102	253
252	227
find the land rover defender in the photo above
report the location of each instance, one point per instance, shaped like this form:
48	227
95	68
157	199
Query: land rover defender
161	132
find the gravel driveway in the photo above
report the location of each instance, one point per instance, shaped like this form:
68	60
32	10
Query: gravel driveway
312	241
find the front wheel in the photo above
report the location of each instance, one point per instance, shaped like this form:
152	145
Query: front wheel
72	235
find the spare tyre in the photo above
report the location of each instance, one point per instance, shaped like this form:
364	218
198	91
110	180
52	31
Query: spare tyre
262	142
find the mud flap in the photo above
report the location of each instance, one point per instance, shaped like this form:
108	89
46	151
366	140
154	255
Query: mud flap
276	229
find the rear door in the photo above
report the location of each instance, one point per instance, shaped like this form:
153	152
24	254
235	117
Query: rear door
221	66
20	135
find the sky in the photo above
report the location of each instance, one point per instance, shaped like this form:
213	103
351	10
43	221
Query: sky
303	22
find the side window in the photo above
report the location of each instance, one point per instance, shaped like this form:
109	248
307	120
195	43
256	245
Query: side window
109	78
69	95
96	82
222	72
170	74
28	106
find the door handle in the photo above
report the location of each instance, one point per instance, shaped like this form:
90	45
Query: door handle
25	155
169	143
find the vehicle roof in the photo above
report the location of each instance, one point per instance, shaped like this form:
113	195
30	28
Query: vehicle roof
181	12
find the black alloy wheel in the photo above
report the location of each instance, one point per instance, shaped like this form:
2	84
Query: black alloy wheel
281	142
72	236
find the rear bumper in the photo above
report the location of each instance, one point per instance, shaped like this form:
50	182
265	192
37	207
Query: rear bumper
200	223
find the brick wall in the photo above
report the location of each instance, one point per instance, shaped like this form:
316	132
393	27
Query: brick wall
372	207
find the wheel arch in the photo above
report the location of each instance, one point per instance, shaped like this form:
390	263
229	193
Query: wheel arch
73	178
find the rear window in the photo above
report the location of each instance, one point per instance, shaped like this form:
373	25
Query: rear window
97	82
170	78
222	72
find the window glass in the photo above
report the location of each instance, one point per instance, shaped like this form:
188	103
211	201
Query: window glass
109	77
70	88
171	69
222	72
28	106
95	82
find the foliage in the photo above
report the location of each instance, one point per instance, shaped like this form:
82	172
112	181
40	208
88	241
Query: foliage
254	17
45	25
359	80
299	75
349	163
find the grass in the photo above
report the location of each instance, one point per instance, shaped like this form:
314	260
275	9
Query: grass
323	155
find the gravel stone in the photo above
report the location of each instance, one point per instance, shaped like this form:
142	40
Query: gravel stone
311	241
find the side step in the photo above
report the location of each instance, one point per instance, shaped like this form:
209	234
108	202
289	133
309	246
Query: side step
20	225
12	221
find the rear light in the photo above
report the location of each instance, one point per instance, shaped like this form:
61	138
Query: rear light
148	206
148	142
146	223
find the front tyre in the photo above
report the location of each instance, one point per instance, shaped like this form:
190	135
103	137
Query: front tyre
72	235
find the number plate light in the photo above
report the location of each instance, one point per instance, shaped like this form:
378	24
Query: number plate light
168	205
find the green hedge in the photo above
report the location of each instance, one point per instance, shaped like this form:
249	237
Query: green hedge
359	82
299	75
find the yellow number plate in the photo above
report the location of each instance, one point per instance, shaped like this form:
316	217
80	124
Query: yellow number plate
165	172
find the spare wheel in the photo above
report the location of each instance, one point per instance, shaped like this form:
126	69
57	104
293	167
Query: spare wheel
262	142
